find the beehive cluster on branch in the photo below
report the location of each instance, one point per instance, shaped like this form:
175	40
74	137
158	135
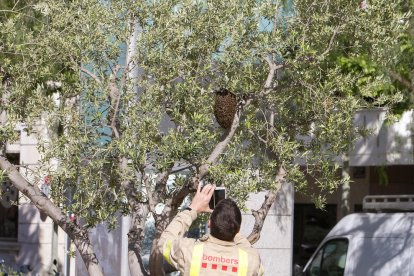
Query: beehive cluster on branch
225	107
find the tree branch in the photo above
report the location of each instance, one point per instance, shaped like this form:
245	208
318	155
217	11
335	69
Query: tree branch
408	84
258	137
182	169
328	49
160	185
260	215
32	192
79	235
84	70
192	183
271	74
115	97
273	67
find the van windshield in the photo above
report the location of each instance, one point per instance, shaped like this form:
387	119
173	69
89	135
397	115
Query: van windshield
330	259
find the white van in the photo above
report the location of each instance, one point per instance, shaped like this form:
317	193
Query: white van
365	244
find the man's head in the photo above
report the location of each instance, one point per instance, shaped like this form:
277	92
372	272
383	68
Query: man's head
225	220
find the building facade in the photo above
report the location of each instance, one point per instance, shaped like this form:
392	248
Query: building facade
29	241
380	164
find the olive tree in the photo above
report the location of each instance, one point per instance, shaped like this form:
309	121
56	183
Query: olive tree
138	93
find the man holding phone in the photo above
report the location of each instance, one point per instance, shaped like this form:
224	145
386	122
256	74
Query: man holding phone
223	252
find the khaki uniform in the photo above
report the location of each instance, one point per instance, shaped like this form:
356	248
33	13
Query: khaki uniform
208	256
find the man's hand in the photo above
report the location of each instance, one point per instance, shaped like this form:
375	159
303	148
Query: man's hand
202	198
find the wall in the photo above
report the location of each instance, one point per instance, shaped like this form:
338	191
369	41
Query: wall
389	144
110	248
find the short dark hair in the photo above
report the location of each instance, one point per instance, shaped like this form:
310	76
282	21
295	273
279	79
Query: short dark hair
225	220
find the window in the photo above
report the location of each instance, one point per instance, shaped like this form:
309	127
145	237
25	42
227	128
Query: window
330	259
8	210
311	225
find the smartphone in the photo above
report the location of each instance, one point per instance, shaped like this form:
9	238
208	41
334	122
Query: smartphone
219	194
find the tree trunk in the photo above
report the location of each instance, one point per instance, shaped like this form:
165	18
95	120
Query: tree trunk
136	238
87	253
139	214
79	236
345	187
136	266
156	257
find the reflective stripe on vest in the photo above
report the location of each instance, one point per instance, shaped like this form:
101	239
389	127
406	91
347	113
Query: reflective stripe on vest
196	259
167	250
243	262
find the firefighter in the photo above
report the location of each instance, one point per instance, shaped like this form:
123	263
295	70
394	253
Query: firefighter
223	252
